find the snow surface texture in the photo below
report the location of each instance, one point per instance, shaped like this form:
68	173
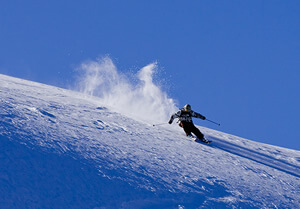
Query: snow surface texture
63	149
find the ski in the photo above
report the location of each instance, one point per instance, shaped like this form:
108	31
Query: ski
203	141
195	139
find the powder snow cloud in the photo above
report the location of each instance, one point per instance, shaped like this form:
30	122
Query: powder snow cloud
143	100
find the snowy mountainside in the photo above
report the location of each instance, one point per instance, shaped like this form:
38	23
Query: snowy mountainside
60	148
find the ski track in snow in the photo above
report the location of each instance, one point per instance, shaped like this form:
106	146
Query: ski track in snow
230	172
255	156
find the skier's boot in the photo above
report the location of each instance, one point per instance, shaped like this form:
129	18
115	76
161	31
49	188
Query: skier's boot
192	137
205	140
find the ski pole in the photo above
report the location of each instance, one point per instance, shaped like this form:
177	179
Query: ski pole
159	124
213	122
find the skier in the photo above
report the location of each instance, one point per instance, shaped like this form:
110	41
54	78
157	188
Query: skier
185	121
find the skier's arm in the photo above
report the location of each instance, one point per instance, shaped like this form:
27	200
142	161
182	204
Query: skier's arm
198	115
175	115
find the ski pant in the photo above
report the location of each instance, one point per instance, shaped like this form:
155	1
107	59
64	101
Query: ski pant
189	128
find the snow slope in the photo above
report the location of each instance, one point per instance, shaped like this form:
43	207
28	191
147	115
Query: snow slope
63	149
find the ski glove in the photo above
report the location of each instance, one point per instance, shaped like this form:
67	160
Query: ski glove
203	117
170	121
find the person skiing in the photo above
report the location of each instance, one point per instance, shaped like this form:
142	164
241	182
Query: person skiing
185	121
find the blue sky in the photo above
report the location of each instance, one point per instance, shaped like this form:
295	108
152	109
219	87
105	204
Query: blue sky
236	62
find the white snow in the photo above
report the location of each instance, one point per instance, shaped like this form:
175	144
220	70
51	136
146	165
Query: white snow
64	149
136	96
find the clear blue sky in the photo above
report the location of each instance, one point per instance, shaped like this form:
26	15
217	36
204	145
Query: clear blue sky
236	62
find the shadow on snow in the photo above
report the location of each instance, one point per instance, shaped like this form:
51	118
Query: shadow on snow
256	156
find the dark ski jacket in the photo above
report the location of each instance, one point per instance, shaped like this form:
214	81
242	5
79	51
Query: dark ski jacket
186	116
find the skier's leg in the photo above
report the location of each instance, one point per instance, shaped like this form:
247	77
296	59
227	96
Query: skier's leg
186	127
197	132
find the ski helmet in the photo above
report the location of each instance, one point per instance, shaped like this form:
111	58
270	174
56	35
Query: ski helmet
187	107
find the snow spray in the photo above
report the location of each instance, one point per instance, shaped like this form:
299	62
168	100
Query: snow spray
143	100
